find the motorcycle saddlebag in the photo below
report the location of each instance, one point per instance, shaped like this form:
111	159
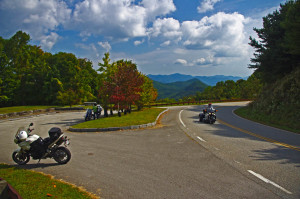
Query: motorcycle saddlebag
37	148
54	133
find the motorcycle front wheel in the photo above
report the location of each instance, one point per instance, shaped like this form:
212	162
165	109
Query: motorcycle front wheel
210	120
62	155
20	159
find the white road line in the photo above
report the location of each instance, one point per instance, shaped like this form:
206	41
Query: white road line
180	118
201	139
268	181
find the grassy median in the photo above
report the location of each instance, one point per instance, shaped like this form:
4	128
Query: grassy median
145	116
35	185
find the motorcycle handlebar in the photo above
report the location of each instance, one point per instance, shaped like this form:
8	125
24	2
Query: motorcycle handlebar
29	129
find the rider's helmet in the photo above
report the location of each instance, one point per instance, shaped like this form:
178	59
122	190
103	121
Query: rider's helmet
209	105
22	135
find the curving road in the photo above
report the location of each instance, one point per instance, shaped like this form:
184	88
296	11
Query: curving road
180	158
268	154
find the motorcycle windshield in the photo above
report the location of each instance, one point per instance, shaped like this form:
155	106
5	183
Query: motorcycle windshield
21	129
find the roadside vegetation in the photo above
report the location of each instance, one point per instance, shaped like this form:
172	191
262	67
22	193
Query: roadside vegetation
31	76
147	115
5	110
270	120
276	63
34	185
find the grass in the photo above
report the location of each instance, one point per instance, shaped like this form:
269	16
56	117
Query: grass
269	119
30	184
145	116
12	109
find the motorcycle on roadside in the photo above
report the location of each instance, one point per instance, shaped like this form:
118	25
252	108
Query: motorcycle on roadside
88	115
37	148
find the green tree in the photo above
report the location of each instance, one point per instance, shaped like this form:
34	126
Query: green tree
6	76
277	53
107	71
230	90
30	76
291	25
68	97
148	93
219	90
16	50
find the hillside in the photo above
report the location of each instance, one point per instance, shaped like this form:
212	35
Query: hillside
209	80
178	89
276	61
279	103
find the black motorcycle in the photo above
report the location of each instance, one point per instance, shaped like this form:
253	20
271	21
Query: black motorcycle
37	148
208	117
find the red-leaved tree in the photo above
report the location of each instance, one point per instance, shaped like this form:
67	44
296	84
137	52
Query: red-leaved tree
126	84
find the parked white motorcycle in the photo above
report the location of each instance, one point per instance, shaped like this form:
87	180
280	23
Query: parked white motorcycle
37	148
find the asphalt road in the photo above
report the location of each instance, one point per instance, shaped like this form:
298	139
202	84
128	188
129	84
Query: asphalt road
268	154
180	158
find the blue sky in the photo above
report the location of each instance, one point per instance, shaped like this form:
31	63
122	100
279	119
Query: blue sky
193	37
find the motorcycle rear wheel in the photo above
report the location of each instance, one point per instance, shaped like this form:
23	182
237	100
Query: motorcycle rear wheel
20	159
62	155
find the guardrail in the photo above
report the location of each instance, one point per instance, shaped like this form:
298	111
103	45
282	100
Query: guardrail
69	109
199	102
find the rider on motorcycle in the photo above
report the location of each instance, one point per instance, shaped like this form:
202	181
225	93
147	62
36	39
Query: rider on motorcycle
209	109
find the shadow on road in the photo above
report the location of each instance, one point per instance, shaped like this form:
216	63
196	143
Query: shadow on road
37	165
66	122
283	154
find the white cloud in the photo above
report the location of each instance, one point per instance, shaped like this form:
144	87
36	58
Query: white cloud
48	41
167	28
39	18
181	62
105	45
181	51
156	8
200	61
204	61
136	43
221	33
207	5
219	38
166	43
113	19
118	18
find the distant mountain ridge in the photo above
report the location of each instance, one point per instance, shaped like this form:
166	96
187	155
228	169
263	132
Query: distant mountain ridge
179	89
209	80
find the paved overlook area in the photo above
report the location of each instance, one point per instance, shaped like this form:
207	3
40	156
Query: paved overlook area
178	158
